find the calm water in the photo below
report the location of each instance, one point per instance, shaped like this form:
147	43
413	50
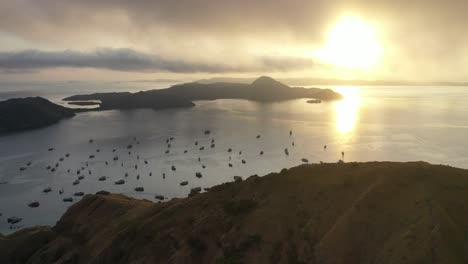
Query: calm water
371	123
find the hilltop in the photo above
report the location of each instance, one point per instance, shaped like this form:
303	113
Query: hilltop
376	212
28	113
262	89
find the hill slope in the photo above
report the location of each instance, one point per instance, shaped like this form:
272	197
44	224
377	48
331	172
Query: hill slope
32	112
321	213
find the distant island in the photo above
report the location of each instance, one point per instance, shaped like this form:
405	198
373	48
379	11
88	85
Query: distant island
375	212
27	113
264	89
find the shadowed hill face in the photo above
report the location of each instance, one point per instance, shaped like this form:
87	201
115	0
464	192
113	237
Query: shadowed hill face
27	113
320	213
268	83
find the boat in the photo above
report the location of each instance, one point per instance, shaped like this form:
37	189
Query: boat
22	168
258	136
230	165
243	161
120	182
167	152
304	160
80	177
202	148
212	145
50	149
13	220
67	155
198	175
61	159
173	168
116	158
34	204
139	189
28	164
129	146
103	178
76	182
159	197
194	191
91	140
91	156
207	132
68	199
47	190
261	152
229	149
183	183
79	194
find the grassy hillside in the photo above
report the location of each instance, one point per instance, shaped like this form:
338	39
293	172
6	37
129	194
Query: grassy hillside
321	213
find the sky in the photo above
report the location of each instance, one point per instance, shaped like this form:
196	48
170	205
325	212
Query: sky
186	39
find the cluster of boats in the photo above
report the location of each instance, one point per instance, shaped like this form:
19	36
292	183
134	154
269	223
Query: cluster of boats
129	148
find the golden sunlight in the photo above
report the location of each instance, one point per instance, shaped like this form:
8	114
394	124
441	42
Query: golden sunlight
347	109
352	44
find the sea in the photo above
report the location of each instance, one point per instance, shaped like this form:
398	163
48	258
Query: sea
371	123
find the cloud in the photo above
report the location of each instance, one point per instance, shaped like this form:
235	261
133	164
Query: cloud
132	61
422	38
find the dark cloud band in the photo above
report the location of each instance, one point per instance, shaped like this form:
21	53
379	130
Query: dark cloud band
133	61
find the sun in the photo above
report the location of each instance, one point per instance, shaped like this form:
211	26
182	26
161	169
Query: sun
352	44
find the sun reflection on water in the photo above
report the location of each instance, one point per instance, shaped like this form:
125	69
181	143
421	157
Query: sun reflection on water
347	110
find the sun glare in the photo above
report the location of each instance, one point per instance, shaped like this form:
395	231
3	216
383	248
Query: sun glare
347	109
351	43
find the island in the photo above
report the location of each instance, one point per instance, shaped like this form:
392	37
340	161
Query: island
374	212
264	89
28	113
